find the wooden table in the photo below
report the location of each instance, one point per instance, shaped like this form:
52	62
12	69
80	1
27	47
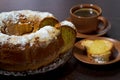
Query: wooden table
73	69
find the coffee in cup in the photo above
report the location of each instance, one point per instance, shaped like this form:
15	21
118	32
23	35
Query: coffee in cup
87	17
86	12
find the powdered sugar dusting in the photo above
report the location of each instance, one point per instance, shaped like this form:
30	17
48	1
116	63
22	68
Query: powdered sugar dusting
14	15
47	33
68	23
43	35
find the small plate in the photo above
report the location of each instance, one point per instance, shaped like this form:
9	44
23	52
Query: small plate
82	56
81	35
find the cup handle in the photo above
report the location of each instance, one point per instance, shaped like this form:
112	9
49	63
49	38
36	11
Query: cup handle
104	23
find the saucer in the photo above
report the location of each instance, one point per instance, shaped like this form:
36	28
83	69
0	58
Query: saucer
81	55
100	33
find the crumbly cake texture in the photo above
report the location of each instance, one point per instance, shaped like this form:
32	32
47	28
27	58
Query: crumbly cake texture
25	45
97	47
98	50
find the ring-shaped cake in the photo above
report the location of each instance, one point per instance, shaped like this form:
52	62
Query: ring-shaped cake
31	39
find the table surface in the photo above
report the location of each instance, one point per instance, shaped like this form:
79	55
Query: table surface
73	69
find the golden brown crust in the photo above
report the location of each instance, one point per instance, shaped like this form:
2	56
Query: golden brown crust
31	58
33	52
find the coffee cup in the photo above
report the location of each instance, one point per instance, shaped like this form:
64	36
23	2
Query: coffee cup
87	18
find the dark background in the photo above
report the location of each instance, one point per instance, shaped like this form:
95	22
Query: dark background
73	69
60	8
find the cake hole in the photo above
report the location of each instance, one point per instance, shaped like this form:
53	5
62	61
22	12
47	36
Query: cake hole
26	26
20	27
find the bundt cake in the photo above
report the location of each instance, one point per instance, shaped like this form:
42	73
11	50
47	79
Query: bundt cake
98	50
31	39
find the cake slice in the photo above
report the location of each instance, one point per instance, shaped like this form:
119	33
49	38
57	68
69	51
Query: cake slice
98	50
68	35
